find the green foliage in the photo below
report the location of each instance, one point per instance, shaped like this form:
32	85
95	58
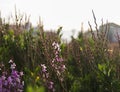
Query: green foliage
35	89
91	65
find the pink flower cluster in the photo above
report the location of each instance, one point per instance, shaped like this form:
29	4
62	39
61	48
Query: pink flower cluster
57	65
58	62
45	75
57	51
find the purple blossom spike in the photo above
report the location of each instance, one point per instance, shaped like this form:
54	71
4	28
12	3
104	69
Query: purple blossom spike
50	85
11	82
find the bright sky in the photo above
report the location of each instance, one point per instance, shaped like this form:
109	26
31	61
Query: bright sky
67	13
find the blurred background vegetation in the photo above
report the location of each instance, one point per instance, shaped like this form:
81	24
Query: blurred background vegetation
92	61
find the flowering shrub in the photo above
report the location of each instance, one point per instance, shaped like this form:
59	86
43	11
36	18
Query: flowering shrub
57	65
57	62
45	75
91	64
11	82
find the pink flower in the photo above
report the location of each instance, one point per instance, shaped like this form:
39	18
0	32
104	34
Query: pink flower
21	74
10	61
59	59
53	44
43	68
63	68
50	85
13	66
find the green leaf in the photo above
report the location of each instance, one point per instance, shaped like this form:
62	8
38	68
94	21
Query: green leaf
35	89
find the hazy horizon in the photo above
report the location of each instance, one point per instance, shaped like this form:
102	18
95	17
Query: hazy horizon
66	13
